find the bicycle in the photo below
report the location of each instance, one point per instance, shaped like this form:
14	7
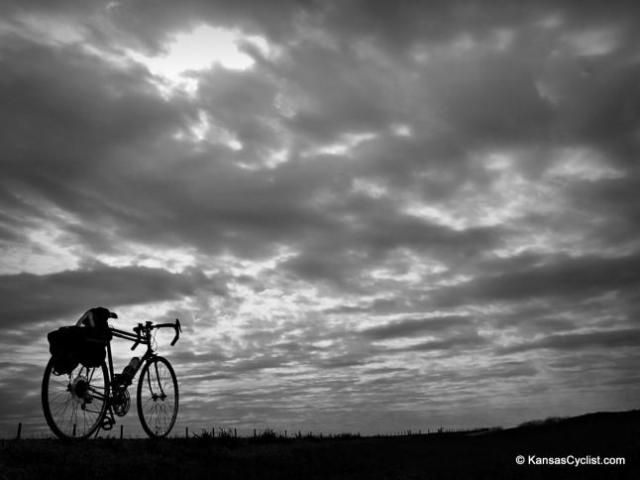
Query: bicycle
86	400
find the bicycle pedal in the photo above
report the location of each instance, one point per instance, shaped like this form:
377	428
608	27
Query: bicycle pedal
107	424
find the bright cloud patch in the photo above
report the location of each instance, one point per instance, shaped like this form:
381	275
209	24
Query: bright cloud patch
188	53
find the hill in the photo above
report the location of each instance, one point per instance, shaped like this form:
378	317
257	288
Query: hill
550	448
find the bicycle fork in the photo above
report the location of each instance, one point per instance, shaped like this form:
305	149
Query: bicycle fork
154	395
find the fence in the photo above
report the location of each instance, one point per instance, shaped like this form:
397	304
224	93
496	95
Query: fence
269	434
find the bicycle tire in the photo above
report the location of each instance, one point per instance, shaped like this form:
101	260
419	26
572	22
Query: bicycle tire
157	397
65	396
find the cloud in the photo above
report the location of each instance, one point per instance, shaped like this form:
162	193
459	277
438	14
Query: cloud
579	277
413	327
506	370
454	342
377	185
579	341
30	298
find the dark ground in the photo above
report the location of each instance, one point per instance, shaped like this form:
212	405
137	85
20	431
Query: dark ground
437	456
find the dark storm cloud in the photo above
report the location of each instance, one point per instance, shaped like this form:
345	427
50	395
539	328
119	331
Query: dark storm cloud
414	327
616	199
244	104
225	208
261	362
358	96
345	361
468	94
29	298
505	370
67	119
387	230
87	115
491	98
401	24
597	102
278	207
75	104
24	378
355	247
580	341
456	342
562	277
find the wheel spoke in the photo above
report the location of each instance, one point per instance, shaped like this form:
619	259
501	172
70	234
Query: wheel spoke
157	397
75	403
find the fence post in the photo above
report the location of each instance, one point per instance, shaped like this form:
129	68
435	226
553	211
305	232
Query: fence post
186	432
213	432
235	433
19	431
74	429
121	431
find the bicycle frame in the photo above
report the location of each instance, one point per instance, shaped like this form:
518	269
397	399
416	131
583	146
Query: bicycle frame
141	336
133	338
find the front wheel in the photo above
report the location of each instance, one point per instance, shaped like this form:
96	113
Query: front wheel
157	397
74	403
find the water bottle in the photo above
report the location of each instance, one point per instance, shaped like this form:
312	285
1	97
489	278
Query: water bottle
130	370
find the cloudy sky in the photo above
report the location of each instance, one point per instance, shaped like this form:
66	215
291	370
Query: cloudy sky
369	215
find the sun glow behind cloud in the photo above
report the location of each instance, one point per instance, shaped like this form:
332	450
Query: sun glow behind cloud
202	48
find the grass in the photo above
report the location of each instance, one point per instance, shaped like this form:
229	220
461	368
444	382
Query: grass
479	454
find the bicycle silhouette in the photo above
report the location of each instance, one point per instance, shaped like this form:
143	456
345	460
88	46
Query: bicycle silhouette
84	396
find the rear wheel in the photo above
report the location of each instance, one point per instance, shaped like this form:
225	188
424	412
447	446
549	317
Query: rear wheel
157	397
74	404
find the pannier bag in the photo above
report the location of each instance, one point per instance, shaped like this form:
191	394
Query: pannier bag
72	345
62	345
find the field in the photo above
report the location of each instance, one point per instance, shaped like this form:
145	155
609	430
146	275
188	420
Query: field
490	455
